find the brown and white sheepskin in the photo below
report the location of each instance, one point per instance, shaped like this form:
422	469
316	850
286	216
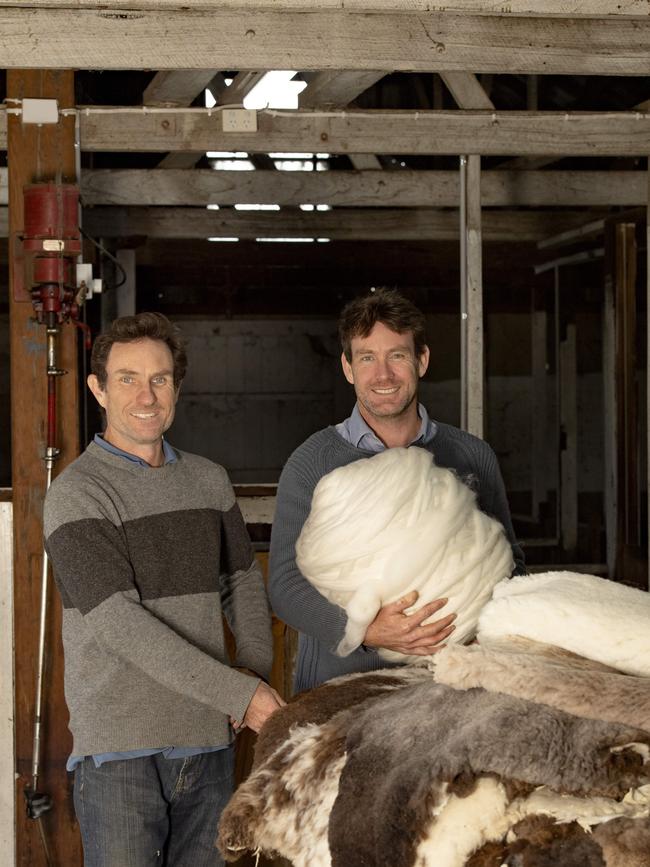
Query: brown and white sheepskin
392	770
544	673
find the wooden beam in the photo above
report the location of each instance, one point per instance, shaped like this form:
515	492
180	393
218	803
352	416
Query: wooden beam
397	189
365	162
348	224
343	132
336	89
537	8
242	84
467	90
177	87
211	34
403	189
36	154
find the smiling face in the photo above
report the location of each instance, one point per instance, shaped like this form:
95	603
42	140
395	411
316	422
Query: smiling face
139	397
384	370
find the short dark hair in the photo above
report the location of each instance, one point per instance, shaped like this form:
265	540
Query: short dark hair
387	306
126	329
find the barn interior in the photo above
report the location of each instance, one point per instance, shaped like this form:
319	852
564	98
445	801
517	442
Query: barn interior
491	163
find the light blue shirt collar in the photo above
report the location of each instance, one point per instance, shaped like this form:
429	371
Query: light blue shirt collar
357	432
169	454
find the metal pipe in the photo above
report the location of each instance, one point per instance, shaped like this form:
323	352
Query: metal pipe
51	454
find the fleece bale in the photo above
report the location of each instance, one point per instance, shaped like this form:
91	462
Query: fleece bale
381	527
590	616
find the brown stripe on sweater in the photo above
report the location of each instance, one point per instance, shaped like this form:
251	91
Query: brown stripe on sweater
161	555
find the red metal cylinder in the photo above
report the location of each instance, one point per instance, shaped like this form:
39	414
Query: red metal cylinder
51	211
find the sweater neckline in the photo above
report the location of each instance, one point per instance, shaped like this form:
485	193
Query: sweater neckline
117	462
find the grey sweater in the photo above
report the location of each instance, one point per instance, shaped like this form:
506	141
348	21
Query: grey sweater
321	624
145	561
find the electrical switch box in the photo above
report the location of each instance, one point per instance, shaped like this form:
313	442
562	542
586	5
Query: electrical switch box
239	120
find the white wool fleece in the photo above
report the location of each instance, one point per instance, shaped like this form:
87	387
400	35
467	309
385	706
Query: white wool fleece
597	618
381	527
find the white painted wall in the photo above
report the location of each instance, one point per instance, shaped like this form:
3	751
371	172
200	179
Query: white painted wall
7	744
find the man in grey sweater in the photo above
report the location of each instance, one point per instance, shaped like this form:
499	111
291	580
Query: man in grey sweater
148	548
384	356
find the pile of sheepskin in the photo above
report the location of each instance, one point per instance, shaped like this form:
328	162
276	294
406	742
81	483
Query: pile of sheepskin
528	749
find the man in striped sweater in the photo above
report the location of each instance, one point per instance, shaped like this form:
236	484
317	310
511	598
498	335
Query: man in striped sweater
149	548
384	355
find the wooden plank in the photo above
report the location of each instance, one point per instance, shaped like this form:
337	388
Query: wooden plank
405	132
610	416
473	320
424	132
7	750
354	189
466	90
177	87
647	425
365	162
181	87
629	514
336	89
39	154
224	38
539	411
345	224
241	86
537	8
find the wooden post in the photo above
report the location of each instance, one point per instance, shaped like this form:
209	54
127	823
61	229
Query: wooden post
36	154
7	756
472	374
647	416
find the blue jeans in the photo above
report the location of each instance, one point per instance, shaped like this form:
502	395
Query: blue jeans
153	811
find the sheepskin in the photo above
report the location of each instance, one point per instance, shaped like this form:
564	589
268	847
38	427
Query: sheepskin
396	522
408	773
590	616
567	682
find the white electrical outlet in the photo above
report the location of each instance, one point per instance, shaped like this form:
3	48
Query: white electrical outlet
239	120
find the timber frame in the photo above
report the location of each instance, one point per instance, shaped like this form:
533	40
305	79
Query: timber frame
399	94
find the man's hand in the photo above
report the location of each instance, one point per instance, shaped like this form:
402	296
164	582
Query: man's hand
395	630
265	702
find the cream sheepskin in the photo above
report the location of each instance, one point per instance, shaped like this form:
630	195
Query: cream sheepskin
381	527
591	616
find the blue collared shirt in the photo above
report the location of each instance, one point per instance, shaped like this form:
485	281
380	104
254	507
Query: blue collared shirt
356	431
169	454
168	752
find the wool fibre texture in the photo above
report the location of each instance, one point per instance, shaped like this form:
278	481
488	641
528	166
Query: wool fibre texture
396	522
397	771
588	615
566	682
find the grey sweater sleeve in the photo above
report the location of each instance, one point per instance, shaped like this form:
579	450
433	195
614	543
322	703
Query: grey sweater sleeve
498	507
244	600
293	598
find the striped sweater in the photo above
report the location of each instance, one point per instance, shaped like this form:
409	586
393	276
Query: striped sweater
320	623
145	561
